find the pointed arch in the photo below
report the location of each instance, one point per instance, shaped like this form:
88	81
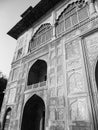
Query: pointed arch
6	119
34	114
96	74
37	72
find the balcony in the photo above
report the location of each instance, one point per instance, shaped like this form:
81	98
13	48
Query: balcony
37	86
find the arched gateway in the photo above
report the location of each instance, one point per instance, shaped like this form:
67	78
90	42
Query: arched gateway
34	114
96	74
6	120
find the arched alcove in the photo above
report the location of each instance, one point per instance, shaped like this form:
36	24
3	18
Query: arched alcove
6	120
73	14
42	35
34	114
37	72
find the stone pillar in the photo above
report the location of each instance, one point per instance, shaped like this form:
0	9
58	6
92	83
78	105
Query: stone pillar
91	7
96	5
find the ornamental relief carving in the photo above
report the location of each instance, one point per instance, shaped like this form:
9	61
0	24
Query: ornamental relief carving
57	125
60	91
60	113
73	64
59	79
53	101
12	95
57	101
59	50
72	49
52	114
78	110
52	71
52	57
52	92
75	82
52	54
53	62
61	101
59	60
52	81
92	47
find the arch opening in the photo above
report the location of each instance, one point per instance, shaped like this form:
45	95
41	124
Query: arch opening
96	74
38	72
34	114
6	120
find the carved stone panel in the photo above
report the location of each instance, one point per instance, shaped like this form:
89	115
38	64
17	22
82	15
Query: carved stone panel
52	114
60	75
92	46
59	125
75	82
79	114
23	71
61	101
60	113
60	91
52	57
52	81
53	101
60	79
59	60
14	125
73	64
59	50
15	74
78	109
72	49
12	95
53	92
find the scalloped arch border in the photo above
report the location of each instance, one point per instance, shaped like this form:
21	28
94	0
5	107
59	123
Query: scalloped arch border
73	2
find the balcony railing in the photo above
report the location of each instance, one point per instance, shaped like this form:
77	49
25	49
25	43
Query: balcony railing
37	85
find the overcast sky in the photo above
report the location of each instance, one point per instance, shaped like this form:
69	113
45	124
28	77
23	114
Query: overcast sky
10	11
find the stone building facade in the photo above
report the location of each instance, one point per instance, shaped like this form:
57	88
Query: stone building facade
53	82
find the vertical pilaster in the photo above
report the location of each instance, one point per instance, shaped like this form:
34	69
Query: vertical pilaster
92	9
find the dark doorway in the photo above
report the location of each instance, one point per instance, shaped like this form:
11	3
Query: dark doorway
96	74
6	120
34	114
37	73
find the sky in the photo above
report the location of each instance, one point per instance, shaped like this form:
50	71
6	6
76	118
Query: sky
10	11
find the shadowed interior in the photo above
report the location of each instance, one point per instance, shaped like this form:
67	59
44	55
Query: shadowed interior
38	72
34	114
6	120
96	74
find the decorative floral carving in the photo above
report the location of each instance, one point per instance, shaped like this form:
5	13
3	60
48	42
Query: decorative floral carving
79	110
75	83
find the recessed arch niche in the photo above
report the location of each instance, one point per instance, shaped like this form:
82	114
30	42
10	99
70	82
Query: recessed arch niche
37	72
34	114
6	120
